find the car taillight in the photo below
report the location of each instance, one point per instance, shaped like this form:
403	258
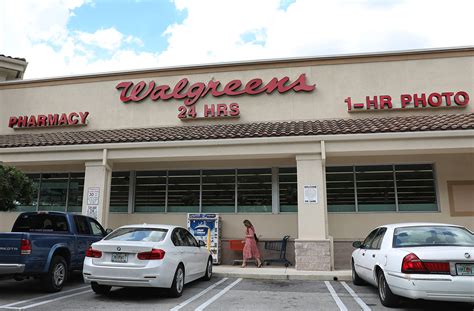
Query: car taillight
25	247
93	253
154	254
412	264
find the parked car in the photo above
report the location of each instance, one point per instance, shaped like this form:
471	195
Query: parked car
46	246
147	256
418	261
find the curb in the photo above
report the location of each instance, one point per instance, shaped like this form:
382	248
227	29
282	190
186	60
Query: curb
291	277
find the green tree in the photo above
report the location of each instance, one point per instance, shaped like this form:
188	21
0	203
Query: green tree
15	188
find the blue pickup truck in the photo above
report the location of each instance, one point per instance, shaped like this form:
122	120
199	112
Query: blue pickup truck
47	246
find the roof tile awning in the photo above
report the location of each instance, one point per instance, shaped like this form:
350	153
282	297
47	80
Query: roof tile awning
424	123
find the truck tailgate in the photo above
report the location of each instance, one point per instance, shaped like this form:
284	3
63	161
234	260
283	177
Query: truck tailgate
10	244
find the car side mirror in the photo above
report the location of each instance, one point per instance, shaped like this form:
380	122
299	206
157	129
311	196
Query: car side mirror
201	243
109	231
357	244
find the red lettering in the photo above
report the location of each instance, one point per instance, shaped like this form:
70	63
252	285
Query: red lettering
62	119
125	86
182	112
139	87
72	118
212	87
385	100
234	110
465	98
209	111
42	120
447	96
32	121
160	92
194	92
252	87
405	99
53	119
348	101
83	116
371	102
12	122
232	87
178	88
419	100
435	100
221	110
22	121
301	86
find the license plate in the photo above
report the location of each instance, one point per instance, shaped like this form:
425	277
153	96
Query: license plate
119	257
465	269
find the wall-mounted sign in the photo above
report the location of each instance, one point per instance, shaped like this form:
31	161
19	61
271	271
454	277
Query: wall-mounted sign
409	101
131	92
310	194
50	120
93	195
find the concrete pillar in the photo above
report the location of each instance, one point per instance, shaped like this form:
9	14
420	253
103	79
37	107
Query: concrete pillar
97	191
313	248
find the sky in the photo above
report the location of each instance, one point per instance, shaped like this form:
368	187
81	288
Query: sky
71	37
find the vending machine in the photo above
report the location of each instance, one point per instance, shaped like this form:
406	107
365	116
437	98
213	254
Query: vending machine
207	228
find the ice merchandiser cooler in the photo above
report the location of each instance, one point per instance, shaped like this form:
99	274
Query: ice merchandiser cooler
207	228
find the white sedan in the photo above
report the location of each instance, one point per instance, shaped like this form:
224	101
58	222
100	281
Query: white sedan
418	261
147	256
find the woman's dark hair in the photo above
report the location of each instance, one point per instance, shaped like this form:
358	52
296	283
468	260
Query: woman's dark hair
247	223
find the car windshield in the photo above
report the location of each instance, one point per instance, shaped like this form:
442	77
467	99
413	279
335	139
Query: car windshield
137	234
432	236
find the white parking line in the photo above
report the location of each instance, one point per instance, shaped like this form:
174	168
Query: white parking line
215	297
336	298
52	300
198	295
37	298
357	299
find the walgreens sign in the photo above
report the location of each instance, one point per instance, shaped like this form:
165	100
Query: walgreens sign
190	94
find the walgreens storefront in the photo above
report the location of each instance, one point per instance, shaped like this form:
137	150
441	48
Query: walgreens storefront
320	149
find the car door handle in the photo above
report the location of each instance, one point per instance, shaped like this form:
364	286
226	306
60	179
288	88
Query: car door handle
363	254
373	256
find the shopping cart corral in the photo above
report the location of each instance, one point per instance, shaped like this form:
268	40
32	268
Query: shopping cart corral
278	246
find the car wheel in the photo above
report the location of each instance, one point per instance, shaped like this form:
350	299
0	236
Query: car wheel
208	274
387	298
177	287
356	279
100	289
54	280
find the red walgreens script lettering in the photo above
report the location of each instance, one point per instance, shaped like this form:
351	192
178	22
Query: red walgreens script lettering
131	92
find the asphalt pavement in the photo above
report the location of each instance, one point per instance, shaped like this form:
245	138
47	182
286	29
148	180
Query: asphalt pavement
221	293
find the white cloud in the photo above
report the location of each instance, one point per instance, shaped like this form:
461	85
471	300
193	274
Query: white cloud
220	31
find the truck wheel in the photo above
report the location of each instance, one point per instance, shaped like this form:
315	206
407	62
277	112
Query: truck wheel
54	280
100	289
177	287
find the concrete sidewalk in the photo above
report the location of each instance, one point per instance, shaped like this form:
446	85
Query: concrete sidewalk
280	273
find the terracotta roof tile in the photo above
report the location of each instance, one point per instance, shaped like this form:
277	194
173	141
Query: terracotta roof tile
440	122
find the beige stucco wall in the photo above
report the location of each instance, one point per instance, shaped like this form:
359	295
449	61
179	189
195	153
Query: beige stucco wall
334	83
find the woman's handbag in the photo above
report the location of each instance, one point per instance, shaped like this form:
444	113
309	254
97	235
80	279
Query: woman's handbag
255	237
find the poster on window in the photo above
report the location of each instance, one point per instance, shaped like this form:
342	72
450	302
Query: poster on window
310	194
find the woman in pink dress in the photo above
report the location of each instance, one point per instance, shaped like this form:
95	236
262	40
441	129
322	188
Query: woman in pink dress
250	247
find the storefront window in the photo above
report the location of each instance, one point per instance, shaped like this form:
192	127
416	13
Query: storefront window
340	189
288	189
76	192
119	192
379	188
184	191
254	190
35	179
150	191
53	192
375	188
218	191
416	187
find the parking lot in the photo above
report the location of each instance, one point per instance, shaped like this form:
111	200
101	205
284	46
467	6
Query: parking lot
218	294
